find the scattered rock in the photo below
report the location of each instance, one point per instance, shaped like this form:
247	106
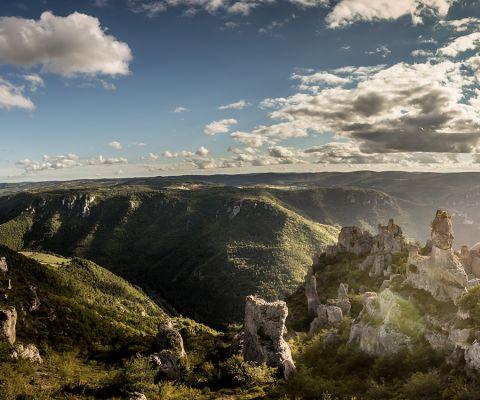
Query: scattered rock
137	396
28	352
8	321
264	331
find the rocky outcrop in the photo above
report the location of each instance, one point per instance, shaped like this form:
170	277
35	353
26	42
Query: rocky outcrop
8	321
441	272
328	316
168	338
264	334
352	240
171	352
386	243
442	230
470	259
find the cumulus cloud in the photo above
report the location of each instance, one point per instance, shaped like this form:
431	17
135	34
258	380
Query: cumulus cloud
462	25
200	152
402	108
347	12
12	96
222	126
460	45
238	105
48	163
101	160
115	145
68	46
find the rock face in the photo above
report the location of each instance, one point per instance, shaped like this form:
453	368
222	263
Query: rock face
8	321
379	328
264	334
311	291
342	300
440	273
352	240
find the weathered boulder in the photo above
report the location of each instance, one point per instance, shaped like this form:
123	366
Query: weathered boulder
3	265
328	316
8	322
264	334
311	293
168	338
28	352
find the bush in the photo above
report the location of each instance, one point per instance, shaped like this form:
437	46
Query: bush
237	372
422	386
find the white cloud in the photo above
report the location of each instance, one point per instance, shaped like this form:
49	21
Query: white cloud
383	51
115	145
461	25
222	126
180	109
153	156
347	12
34	81
12	96
48	163
460	45
101	160
238	105
402	108
68	46
200	152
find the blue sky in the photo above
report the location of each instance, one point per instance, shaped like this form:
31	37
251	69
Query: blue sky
133	87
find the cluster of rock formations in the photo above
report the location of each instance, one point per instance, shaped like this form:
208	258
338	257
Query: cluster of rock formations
264	340
390	320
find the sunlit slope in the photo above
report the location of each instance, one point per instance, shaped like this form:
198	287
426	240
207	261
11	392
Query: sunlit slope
203	250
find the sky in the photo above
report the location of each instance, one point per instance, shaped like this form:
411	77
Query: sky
111	88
